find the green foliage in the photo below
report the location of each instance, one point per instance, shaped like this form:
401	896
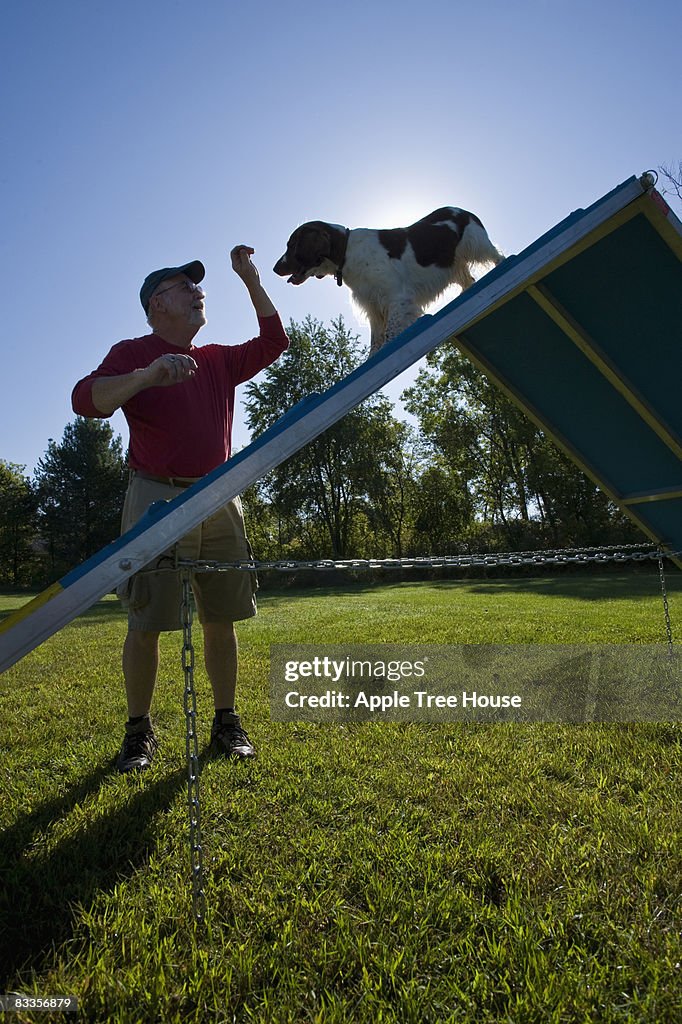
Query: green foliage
391	493
80	485
442	511
17	525
323	499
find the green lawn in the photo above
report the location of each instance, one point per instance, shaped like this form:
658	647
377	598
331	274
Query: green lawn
355	873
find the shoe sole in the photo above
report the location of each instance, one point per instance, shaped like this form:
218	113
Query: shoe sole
222	752
133	768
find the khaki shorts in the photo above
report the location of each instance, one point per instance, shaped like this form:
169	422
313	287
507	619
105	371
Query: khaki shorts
153	599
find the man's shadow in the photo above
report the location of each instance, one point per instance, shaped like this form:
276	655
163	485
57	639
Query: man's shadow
40	886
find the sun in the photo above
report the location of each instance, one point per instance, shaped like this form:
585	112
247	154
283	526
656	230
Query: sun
394	206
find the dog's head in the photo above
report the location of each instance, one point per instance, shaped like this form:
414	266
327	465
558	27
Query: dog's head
309	252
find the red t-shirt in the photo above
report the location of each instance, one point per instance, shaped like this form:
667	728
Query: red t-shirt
184	430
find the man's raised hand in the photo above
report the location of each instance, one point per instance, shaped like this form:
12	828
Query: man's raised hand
242	265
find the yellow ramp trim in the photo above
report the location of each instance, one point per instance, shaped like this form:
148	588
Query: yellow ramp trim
30	607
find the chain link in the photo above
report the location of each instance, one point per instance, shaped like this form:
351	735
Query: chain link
666	609
190	705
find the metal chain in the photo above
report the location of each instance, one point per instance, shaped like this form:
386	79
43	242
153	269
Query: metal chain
666	609
561	556
190	704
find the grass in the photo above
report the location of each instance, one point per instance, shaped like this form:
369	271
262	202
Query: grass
355	873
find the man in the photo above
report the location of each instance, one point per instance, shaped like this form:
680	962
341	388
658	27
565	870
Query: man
178	400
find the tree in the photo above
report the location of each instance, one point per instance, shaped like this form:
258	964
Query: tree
17	525
570	507
324	497
441	513
673	177
479	435
80	486
390	493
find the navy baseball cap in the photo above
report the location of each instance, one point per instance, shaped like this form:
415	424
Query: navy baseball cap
195	272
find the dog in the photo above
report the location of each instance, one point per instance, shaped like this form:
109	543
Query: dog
395	272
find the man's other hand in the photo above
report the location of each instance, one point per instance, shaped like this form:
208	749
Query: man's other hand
168	370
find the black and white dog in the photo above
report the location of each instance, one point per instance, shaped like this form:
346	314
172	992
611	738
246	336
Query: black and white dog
392	273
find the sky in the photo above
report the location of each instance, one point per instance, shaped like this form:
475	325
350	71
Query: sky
138	135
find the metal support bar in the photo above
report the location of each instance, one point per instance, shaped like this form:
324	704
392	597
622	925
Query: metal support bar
664	494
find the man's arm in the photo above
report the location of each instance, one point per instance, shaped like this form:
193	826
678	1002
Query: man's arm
110	393
246	360
244	268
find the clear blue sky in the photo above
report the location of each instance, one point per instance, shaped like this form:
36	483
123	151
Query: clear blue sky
142	134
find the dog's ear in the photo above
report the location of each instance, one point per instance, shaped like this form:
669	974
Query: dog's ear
313	244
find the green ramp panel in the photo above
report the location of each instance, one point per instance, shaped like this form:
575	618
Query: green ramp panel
591	349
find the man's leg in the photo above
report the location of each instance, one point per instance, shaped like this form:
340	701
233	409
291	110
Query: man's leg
140	667
220	656
153	603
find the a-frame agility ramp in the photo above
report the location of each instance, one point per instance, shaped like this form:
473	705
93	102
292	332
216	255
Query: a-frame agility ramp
583	330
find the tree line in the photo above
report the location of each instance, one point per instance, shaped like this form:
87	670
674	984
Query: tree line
67	511
472	474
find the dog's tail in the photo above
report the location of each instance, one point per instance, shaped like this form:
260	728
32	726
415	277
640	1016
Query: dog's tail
475	245
498	256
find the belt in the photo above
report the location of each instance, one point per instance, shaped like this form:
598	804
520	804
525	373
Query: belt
171	481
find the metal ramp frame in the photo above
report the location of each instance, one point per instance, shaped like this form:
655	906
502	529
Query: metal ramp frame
583	329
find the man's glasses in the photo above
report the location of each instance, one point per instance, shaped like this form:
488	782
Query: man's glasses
189	286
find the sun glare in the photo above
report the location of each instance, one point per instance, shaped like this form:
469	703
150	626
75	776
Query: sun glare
395	208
